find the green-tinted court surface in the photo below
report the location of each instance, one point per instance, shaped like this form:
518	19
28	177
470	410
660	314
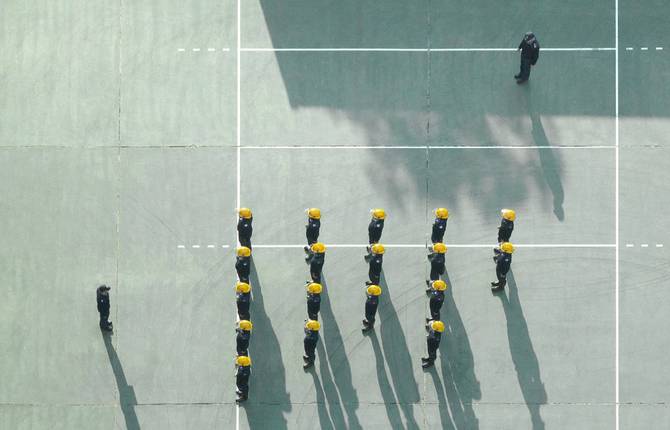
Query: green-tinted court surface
130	132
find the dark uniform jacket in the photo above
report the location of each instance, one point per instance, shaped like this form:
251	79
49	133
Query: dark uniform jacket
312	230
371	304
313	305
311	339
436	300
103	301
439	227
503	263
530	49
243	301
433	343
242	374
505	230
243	267
375	230
242	340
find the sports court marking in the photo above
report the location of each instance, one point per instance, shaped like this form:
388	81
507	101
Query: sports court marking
203	49
616	217
417	49
424	246
424	147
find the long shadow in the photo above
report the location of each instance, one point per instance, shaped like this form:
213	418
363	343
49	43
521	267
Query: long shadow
324	419
523	355
445	418
333	403
397	355
267	385
127	398
390	402
551	166
458	369
338	360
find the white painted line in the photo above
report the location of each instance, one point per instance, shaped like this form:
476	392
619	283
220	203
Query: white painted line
644	245
196	49
616	222
644	48
424	147
211	49
659	245
211	246
629	245
659	48
238	140
181	49
415	49
181	246
629	49
449	245
225	49
195	246
225	246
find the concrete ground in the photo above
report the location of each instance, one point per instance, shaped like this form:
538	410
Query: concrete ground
119	161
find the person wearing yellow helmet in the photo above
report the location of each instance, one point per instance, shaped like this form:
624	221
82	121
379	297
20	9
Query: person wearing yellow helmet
503	263
437	261
436	292
242	374
313	300
376	226
375	260
243	300
243	331
244	228
312	227
311	340
243	263
315	259
435	329
371	303
439	225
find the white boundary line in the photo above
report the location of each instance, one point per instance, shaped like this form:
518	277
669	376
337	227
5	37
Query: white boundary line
616	223
238	140
423	245
424	147
417	49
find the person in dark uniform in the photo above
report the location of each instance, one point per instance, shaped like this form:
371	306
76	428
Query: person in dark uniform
503	263
436	258
243	299
311	339
102	297
505	230
243	263
530	51
243	331
315	259
436	292
439	225
375	260
242	373
435	329
244	228
371	303
313	300
313	226
376	226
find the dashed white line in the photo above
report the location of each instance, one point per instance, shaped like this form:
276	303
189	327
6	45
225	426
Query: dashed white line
416	49
629	48
195	246
210	246
659	245
644	48
659	48
196	49
181	49
630	245
181	246
644	245
211	49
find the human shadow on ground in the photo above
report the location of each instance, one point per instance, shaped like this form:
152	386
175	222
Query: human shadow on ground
397	355
267	385
127	398
524	358
461	386
324	418
390	401
337	359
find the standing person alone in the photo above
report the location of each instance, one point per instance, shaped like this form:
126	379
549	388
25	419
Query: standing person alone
530	51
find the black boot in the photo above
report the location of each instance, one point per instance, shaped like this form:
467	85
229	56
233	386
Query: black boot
427	363
308	364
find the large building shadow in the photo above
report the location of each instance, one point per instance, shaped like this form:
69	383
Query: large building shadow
127	398
523	355
457	364
268	399
333	346
397	355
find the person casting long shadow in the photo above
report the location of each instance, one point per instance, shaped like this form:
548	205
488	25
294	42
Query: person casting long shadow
458	369
523	355
445	418
397	356
127	398
390	402
268	380
333	403
338	360
324	419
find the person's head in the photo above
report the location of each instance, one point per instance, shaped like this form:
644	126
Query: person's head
529	37
104	289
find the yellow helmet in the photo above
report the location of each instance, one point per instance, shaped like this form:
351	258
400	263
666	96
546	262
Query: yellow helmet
242	287
507	248
246	325
318	247
374	290
439	285
243	360
314	288
378	213
508	214
377	248
243	251
313	325
314	213
438	326
439	247
442	213
244	213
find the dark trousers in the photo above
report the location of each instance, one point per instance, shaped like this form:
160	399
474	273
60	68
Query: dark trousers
502	278
313	310
242	346
243	310
104	317
524	72
435	309
437	237
315	272
242	383
370	312
244	240
310	347
375	276
435	271
432	349
312	237
243	274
